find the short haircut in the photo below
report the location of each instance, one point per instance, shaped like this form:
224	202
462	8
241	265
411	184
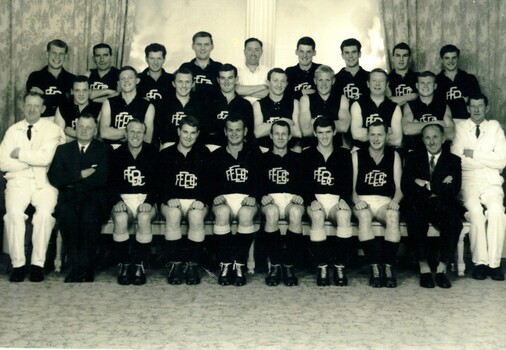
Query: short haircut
323	122
189	120
136	121
227	67
233	118
125	68
250	40
182	71
102	46
477	96
80	79
282	123
58	43
35	94
378	70
449	48
306	40
426	73
437	126
351	42
401	46
155	47
275	70
378	123
202	35
324	69
88	115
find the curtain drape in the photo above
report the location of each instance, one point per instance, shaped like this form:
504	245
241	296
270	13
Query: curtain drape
27	25
477	28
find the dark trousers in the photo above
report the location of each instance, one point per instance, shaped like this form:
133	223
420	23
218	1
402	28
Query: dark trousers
80	230
442	215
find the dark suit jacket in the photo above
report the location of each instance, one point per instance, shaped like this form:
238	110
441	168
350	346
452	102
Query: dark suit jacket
417	166
65	174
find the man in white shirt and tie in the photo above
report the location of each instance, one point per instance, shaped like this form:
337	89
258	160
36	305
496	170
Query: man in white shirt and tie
482	147
25	154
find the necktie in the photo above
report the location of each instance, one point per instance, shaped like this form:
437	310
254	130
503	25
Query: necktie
432	164
29	132
477	131
82	150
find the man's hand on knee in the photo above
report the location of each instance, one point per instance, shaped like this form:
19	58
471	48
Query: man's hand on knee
219	200
144	208
342	205
266	200
120	207
197	205
315	206
361	205
174	203
249	202
393	205
297	200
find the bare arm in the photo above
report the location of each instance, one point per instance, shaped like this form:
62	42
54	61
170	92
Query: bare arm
344	121
261	129
106	131
258	91
149	118
295	118
305	117
358	132
394	138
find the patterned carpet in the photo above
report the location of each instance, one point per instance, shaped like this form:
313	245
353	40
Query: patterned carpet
52	314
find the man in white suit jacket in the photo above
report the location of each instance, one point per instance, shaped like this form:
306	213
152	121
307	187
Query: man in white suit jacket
25	155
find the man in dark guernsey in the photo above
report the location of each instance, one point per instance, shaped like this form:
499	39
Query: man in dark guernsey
104	78
351	81
401	80
119	110
377	172
301	76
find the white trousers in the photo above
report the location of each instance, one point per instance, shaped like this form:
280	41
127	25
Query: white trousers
19	193
487	226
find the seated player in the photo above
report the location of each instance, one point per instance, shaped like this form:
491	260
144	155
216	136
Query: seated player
327	184
431	181
281	189
377	172
133	182
375	106
275	106
117	111
182	196
234	190
68	112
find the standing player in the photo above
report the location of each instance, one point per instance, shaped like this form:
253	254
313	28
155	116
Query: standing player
119	110
377	172
26	152
301	76
375	106
234	189
79	171
68	113
155	83
252	83
183	196
328	185
351	81
275	106
133	182
455	85
103	79
431	181
401	80
326	102
177	106
281	189
225	103
204	69
426	109
52	81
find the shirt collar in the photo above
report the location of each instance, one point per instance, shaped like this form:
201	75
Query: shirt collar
436	156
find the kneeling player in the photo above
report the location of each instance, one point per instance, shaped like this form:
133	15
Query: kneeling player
376	193
328	187
234	187
280	179
182	196
133	182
